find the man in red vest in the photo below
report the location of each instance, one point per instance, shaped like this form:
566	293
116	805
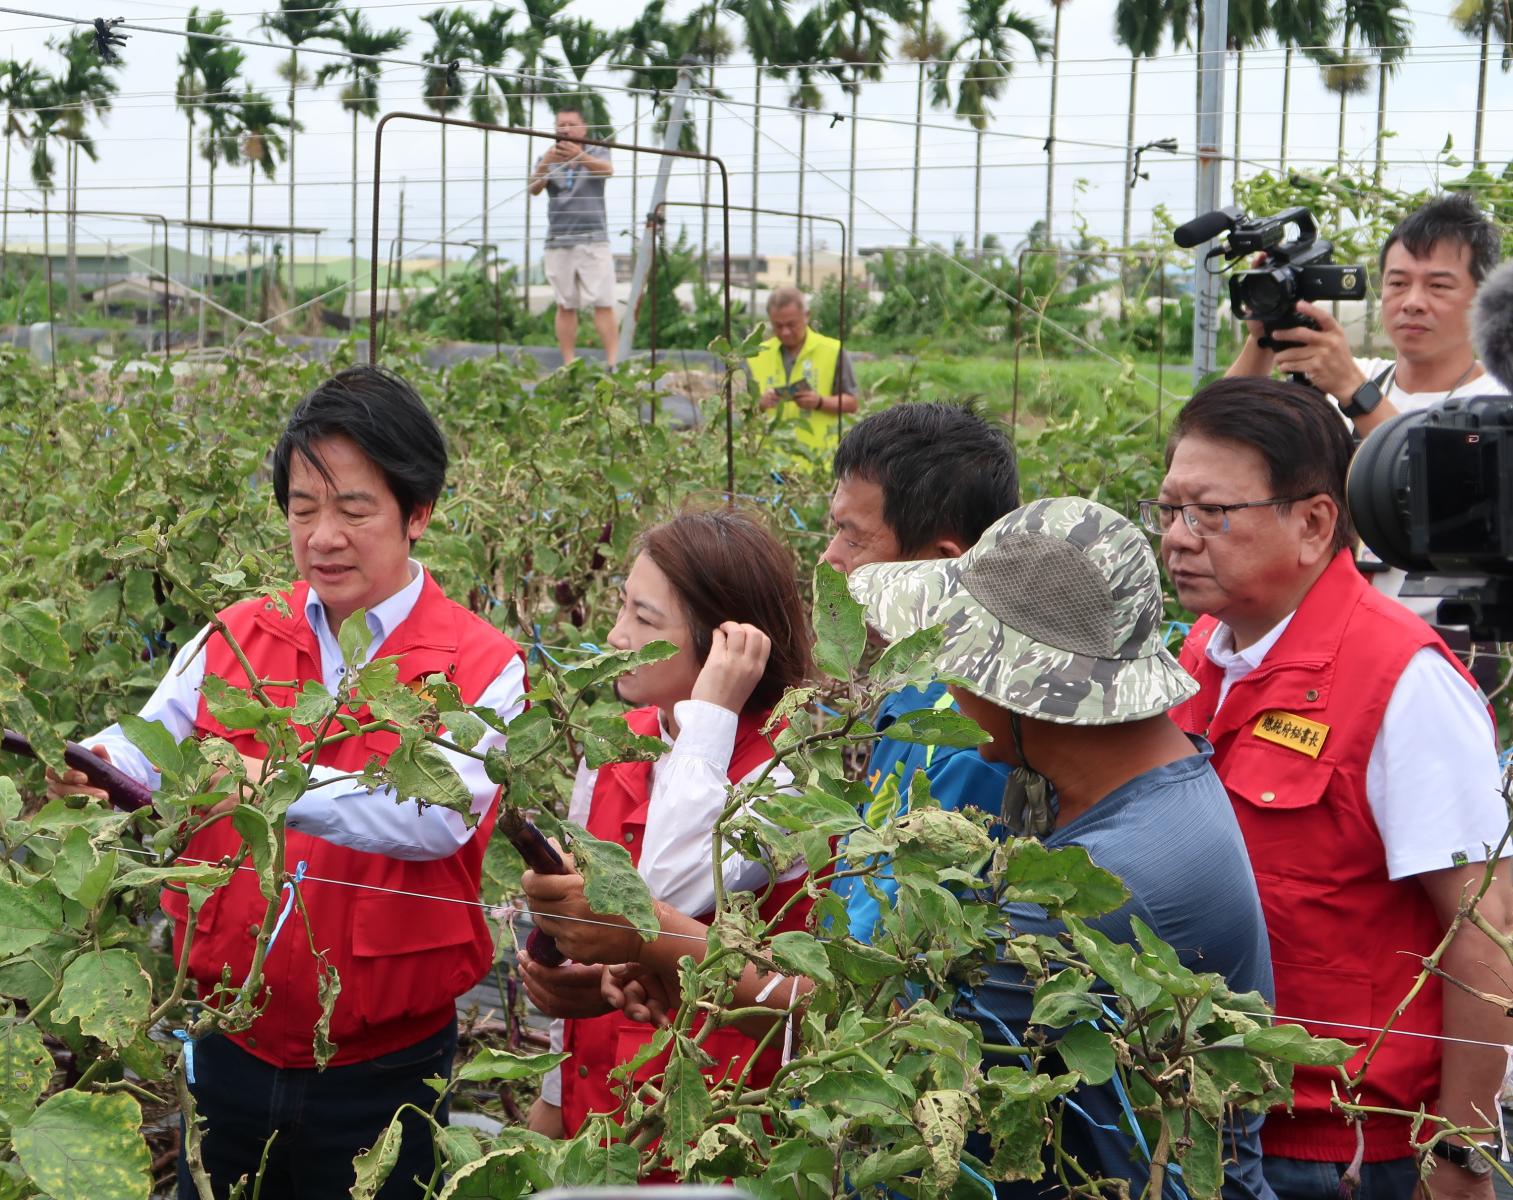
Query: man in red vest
1362	765
357	473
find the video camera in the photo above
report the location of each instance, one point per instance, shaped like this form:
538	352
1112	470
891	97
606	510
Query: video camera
1298	267
1432	491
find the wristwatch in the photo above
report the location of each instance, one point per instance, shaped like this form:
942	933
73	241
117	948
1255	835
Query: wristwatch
1366	398
1468	1158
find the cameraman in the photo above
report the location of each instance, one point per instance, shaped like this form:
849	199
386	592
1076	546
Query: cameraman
1434	260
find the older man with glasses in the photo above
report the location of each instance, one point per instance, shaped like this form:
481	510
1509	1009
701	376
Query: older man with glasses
1362	765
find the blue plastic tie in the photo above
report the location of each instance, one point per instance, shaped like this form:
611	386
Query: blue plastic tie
590	647
183	1036
827	710
289	886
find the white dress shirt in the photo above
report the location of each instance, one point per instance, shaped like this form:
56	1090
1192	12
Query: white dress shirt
344	812
689	790
1433	780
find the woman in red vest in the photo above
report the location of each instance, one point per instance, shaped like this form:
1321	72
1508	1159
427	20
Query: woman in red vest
722	588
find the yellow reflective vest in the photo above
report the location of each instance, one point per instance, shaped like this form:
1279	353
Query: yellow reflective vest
821	355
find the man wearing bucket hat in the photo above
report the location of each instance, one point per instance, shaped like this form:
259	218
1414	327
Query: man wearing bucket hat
1053	625
1362	766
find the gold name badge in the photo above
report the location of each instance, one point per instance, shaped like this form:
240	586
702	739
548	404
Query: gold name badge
1294	732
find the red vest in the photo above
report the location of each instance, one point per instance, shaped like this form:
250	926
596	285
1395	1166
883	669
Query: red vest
1345	939
617	813
403	961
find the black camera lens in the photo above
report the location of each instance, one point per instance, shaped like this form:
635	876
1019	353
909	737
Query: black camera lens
1376	492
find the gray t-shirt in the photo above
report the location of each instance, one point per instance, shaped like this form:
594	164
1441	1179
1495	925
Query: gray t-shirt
1171	835
575	203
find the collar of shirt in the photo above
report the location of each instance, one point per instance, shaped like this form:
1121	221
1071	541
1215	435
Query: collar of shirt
1236	664
383	618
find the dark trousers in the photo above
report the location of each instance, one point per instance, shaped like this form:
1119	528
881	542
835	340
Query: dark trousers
322	1119
1299	1179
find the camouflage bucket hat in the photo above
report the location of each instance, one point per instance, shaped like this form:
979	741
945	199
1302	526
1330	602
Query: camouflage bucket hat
1055	614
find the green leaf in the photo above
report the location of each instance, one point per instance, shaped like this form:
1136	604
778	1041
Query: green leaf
355	638
31	632
942	1118
1063	880
1202	1166
102	604
27	712
313	705
1293	1044
687	1107
86	1146
615	663
109	994
799	953
1088	1051
840	626
327	989
792	700
937	727
900	660
811	810
25	1068
611	884
504	1174
863	965
530	734
237	709
374	1165
10	799
1063	999
263	844
28	915
80	871
609	739
490	1064
463	728
153	739
420	771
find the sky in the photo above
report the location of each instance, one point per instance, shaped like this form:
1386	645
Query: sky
142	144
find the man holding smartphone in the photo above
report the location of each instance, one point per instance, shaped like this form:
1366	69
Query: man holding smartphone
579	265
801	372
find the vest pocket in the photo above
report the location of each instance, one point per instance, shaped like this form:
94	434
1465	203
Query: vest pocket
411	957
1269	777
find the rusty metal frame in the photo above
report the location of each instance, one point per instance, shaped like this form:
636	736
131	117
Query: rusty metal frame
1055	252
162	221
490	257
552	135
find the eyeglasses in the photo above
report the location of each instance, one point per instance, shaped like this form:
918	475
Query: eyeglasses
1205	520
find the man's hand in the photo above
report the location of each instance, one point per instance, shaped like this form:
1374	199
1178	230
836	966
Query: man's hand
639	993
254	769
546	1119
571	990
560	909
771	398
805	396
1322	355
737	657
1449	1182
76	783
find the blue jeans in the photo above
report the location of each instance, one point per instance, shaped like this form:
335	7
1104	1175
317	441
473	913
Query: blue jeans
1300	1179
323	1119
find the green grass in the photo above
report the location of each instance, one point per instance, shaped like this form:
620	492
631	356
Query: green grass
1049	389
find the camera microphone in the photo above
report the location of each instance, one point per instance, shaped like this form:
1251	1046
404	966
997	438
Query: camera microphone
1492	325
1205	228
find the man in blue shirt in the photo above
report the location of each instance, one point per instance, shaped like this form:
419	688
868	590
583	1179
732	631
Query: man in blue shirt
916	481
1053	623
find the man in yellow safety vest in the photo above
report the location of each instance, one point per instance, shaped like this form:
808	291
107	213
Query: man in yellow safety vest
805	375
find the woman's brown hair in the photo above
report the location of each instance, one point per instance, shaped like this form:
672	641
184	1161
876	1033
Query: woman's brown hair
727	565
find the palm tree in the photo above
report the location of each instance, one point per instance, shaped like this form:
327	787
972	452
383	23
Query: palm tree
766	28
1489	21
1248	22
860	39
359	95
809	51
925	44
537	72
1244	22
490	38
984	58
1346	72
22	86
218	142
442	90
201	58
1388	30
1138	25
262	145
1050	138
643	54
1298	23
84	88
298	22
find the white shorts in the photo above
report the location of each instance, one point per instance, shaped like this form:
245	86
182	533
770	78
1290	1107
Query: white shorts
582	276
